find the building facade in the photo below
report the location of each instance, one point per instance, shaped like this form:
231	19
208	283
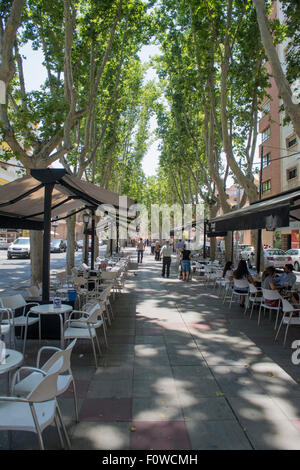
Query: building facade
279	150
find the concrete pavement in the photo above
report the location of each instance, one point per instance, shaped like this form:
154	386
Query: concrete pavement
182	372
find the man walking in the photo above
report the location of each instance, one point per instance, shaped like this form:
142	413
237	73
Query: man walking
140	250
166	253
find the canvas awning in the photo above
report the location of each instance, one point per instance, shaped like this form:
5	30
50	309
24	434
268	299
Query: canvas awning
270	213
30	203
22	201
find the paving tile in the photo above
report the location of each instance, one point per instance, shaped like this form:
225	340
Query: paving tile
101	436
156	409
206	408
256	409
146	387
106	409
170	435
110	389
121	339
122	372
193	373
217	435
268	434
153	340
289	405
81	387
236	381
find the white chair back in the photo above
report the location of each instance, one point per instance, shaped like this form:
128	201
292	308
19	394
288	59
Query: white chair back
270	294
12	301
240	283
46	390
109	275
252	288
60	362
286	306
94	313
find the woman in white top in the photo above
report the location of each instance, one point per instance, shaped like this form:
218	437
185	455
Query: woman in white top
228	272
242	274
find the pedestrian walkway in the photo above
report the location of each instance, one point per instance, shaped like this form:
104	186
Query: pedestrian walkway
182	372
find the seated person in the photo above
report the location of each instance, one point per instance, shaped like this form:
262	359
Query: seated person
242	274
228	272
269	283
288	278
268	279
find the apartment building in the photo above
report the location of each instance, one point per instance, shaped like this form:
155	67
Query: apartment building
279	149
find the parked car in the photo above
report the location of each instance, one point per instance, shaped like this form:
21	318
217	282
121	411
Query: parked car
294	253
57	245
4	244
20	248
276	257
66	245
80	244
246	252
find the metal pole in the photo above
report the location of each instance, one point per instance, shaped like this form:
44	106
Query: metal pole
93	240
259	233
117	247
111	240
86	244
46	241
204	239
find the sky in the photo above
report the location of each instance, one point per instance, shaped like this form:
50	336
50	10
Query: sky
35	74
151	159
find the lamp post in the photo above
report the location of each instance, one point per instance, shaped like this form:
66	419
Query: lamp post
86	218
54	225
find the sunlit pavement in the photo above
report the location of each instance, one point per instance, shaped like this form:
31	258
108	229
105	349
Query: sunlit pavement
182	371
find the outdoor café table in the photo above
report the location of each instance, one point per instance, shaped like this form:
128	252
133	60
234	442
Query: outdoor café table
50	309
13	361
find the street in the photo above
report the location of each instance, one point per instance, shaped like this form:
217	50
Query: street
15	273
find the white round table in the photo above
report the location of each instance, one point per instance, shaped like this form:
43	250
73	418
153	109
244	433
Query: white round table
50	309
13	361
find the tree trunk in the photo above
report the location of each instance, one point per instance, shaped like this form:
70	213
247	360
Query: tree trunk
228	247
70	243
292	108
213	241
36	256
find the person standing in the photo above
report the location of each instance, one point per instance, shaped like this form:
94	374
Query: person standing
152	247
157	250
185	258
179	246
140	250
166	253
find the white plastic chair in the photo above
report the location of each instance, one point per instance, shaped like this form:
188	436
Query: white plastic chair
22	387
239	284
5	324
288	318
253	298
107	308
269	294
216	276
86	326
14	302
35	412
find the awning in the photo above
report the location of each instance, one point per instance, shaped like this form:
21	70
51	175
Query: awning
270	213
22	201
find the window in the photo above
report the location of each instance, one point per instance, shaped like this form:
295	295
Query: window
266	134
266	160
266	186
291	141
265	109
292	173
